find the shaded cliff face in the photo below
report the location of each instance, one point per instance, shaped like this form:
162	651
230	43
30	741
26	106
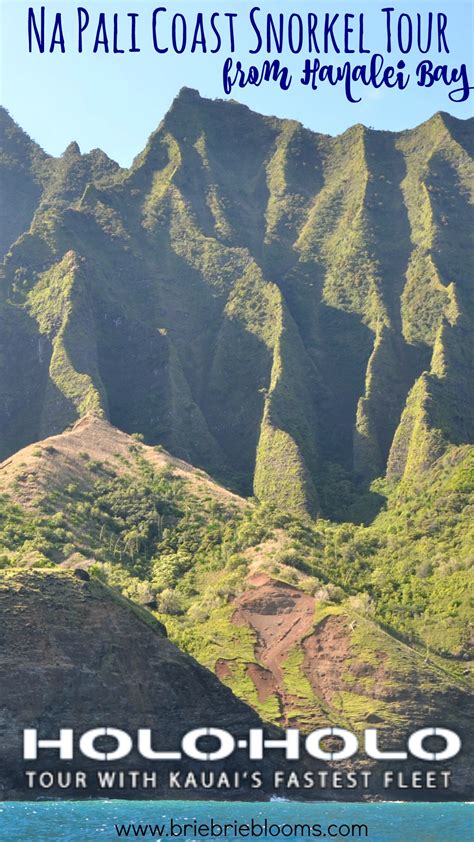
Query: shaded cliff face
75	654
279	307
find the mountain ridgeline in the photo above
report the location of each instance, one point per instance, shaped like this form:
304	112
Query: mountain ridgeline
290	311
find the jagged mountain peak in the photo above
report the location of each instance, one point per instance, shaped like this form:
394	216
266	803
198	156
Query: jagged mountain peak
450	119
187	94
72	149
191	114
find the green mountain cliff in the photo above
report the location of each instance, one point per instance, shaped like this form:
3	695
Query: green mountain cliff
236	387
270	304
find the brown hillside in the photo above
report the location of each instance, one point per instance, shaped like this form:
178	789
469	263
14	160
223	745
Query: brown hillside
56	462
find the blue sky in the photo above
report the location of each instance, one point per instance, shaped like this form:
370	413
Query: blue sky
115	101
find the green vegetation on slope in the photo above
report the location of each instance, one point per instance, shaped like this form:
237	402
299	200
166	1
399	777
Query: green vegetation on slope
150	534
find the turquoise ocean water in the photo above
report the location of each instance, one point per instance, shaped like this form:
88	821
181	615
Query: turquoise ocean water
75	821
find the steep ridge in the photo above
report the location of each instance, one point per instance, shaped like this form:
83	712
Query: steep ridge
261	300
92	449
